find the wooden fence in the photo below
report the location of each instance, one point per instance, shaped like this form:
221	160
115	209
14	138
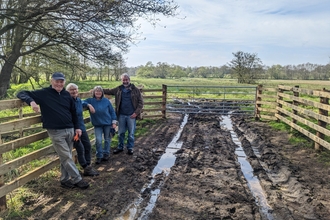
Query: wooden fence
266	103
27	129
302	109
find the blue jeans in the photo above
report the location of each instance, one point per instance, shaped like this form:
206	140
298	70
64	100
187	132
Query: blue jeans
84	150
126	124
62	140
105	131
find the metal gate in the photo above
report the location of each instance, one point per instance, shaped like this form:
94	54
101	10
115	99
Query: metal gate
211	99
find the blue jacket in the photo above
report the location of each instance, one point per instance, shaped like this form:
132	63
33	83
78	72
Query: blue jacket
79	110
104	112
58	109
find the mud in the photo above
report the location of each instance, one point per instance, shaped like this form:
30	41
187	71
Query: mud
206	181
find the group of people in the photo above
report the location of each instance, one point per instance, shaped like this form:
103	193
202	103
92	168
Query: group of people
62	116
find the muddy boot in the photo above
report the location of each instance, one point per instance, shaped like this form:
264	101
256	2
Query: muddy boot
82	184
89	171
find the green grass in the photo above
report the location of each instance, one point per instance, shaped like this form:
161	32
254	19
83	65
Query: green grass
281	126
17	198
152	83
27	149
324	157
298	139
21	195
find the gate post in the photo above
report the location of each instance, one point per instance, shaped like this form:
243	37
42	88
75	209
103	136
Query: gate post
278	104
164	88
258	106
323	124
3	204
295	94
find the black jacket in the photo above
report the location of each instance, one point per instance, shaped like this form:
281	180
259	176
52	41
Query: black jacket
58	109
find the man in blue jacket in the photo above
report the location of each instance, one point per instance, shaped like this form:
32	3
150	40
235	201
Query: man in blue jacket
83	146
59	117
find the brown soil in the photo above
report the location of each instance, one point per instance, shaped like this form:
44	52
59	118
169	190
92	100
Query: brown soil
206	181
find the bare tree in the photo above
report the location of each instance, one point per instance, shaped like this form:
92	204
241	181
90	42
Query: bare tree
246	66
98	30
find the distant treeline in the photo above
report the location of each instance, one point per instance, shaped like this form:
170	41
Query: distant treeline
307	71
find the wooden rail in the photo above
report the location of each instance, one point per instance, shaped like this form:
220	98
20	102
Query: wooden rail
310	109
302	109
26	126
265	103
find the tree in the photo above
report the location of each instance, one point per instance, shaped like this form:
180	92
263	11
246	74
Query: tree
224	70
247	67
177	72
275	72
147	70
162	70
97	30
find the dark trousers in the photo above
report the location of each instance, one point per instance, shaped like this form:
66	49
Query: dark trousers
84	148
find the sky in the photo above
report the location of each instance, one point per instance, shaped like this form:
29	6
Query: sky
208	32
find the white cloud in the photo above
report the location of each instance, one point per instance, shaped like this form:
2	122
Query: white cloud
280	32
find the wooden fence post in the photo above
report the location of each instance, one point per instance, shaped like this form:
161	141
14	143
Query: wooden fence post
321	123
164	88
258	106
295	112
20	116
278	104
3	204
141	91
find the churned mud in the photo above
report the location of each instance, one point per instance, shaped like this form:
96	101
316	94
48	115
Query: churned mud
205	182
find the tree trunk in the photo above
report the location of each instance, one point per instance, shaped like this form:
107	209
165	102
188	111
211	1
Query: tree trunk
8	66
5	74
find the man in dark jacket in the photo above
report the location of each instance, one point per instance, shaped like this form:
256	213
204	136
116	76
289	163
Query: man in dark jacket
83	145
60	119
129	104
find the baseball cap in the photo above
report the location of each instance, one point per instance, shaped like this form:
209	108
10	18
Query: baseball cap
58	75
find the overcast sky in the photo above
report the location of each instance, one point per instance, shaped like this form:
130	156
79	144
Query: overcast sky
279	31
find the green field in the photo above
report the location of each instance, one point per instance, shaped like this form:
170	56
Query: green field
150	83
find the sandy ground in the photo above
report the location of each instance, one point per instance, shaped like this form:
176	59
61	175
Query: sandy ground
205	182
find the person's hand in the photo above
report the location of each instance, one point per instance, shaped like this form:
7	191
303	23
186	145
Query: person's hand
133	115
76	137
35	107
79	132
91	108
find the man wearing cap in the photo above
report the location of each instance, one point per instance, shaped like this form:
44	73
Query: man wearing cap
59	117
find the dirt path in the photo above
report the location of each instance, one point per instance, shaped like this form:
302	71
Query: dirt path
206	181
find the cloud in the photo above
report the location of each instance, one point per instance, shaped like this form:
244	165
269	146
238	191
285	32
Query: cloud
207	32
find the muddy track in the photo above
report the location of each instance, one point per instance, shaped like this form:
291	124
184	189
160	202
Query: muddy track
286	174
206	181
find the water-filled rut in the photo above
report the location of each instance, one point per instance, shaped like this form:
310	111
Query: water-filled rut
206	181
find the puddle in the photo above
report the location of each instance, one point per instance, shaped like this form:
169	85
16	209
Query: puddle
163	167
167	160
253	181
